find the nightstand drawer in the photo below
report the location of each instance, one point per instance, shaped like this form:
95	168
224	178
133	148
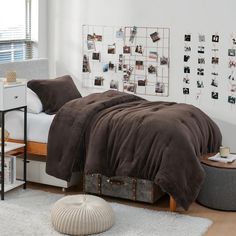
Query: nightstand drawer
14	97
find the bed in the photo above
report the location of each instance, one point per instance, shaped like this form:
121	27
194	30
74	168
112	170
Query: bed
119	134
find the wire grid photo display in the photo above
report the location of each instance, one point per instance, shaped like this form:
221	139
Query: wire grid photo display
130	59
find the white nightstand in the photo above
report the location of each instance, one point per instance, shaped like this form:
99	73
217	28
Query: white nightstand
12	97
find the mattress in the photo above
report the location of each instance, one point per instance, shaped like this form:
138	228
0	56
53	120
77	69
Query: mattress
37	126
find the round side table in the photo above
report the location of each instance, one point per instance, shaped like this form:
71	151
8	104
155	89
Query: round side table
219	188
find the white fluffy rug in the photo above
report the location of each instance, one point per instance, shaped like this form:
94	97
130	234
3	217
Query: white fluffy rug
27	213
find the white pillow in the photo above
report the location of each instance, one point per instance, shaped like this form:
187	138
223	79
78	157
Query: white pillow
34	104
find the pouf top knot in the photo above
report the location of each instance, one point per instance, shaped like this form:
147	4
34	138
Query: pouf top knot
81	215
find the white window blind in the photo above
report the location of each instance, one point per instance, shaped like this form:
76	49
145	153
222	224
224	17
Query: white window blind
15	30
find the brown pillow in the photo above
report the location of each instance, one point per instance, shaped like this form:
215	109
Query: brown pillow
54	93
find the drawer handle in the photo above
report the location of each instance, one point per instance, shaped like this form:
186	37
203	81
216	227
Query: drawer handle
16	97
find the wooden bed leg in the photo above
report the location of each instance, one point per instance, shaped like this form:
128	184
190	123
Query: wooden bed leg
172	204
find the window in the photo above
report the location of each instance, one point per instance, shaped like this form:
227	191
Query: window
15	30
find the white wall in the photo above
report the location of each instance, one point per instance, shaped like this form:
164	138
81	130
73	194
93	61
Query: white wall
197	16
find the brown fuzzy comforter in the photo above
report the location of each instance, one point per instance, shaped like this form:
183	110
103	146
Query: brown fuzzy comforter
118	134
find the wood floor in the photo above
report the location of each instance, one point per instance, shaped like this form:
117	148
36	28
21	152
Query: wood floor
224	223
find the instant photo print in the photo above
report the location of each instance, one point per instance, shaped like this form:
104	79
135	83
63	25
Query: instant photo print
126	49
200	84
152	69
133	32
139	65
98	81
111	66
187	49
215	38
214	95
139	49
129	87
105	68
231	53
111	49
160	87
215	60
142	82
96	56
187	37
186	58
164	61
90	45
185	91
214	83
186	80
153	55
200	71
201	49
187	70
231	99
201	60
155	37
120	34
233	88
114	84
232	64
201	38
86	66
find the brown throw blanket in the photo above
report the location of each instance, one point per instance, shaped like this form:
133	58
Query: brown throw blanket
118	134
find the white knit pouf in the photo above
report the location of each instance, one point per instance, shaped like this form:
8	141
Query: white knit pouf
82	215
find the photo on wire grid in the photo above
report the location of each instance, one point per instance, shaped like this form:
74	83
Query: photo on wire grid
98	81
105	68
126	49
164	61
214	83
139	49
200	84
201	50
187	49
94	37
96	56
139	65
142	82
232	64
200	71
215	60
155	37
86	66
90	45
111	66
231	99
111	49
185	91
130	87
186	80
231	52
187	37
233	88
159	87
187	70
186	58
214	95
120	33
133	32
201	38
201	60
152	69
153	55
114	84
215	38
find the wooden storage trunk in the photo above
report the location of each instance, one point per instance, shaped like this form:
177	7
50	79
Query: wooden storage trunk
123	187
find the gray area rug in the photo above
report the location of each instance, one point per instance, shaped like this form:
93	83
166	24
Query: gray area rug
27	213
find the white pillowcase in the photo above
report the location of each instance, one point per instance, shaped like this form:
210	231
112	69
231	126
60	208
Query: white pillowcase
34	104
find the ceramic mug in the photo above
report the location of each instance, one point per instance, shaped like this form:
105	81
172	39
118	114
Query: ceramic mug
224	151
